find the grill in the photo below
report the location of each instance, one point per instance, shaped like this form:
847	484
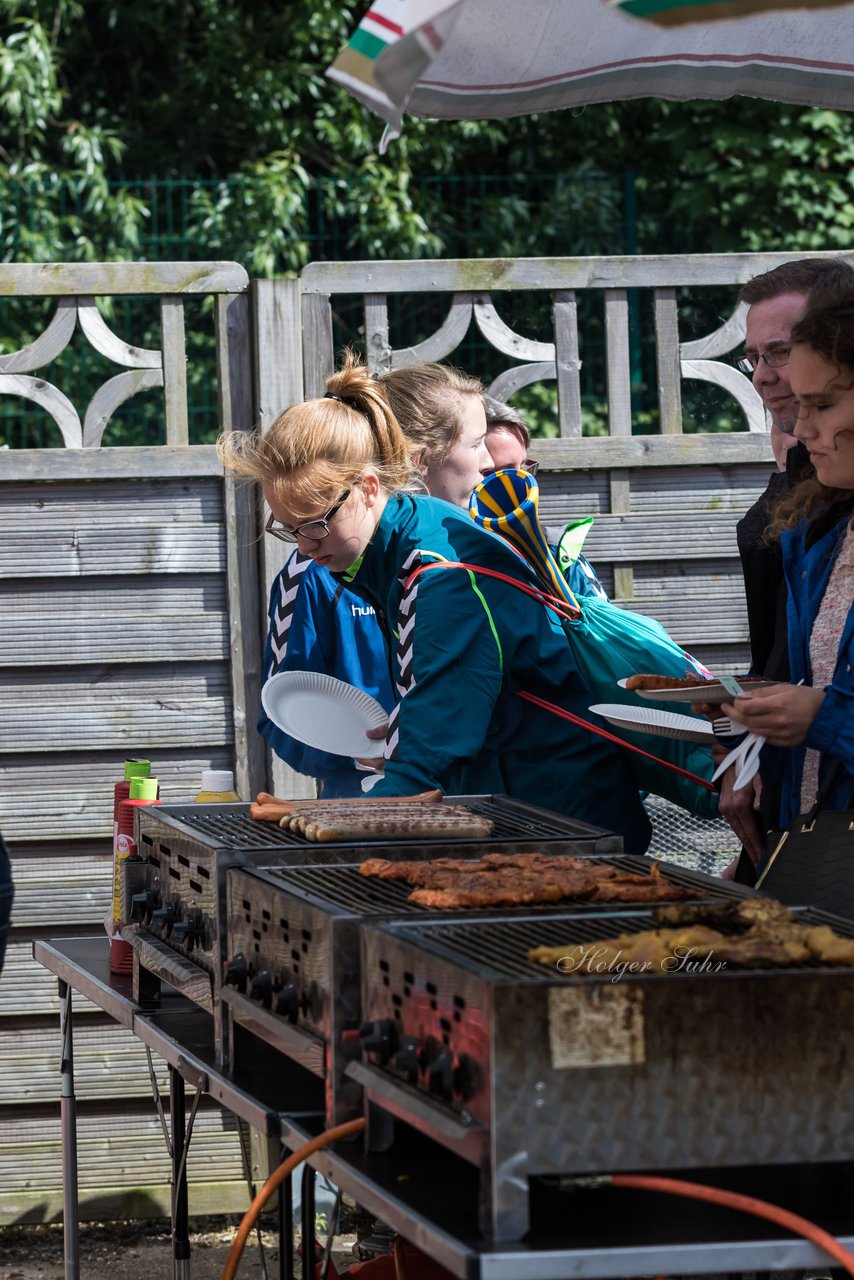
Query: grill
343	888
526	1072
229	826
292	976
176	895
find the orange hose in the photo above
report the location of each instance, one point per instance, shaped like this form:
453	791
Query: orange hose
746	1204
276	1177
398	1251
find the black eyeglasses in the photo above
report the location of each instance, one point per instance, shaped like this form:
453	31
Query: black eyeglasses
316	530
775	359
531	466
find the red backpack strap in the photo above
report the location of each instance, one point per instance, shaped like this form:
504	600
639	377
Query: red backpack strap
566	611
554	603
611	737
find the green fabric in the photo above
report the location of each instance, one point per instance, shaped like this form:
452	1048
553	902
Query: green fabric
367	43
492	625
571	542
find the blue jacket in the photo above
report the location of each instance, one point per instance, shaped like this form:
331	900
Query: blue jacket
465	644
316	624
582	579
807	571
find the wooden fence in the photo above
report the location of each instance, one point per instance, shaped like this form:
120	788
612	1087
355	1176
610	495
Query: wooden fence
133	587
131	626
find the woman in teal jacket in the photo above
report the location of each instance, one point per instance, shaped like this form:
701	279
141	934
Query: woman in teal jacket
461	644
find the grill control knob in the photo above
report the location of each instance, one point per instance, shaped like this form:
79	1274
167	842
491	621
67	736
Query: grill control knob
379	1038
406	1059
161	921
287	1002
262	988
182	934
237	972
440	1074
142	904
466	1077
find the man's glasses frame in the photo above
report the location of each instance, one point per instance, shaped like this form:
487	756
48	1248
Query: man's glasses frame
315	530
775	359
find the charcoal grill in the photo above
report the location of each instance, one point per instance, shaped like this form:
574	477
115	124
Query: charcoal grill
176	896
292	957
525	1072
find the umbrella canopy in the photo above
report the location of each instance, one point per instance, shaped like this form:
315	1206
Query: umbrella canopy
476	59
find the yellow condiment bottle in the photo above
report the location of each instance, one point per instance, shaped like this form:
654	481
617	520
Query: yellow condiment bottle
217	788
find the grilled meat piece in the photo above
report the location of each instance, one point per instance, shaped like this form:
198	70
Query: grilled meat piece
646	681
486	895
650	951
510	880
387	820
829	947
763	934
752	951
648	891
735	916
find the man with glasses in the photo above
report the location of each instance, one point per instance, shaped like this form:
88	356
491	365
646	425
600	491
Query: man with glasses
776	300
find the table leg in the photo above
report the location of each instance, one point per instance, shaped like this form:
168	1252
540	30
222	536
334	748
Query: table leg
180	1211
68	1124
286	1229
308	1220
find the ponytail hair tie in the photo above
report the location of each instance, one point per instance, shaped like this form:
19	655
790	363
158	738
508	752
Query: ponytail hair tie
333	395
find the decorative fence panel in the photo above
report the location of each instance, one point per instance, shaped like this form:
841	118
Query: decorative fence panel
131	626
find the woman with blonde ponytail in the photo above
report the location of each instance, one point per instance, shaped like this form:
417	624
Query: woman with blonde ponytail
315	622
336	477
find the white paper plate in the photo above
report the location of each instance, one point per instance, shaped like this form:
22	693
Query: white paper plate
323	712
650	720
710	691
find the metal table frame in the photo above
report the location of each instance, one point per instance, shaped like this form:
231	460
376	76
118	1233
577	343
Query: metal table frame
411	1194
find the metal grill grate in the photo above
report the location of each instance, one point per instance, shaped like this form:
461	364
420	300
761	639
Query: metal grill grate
231	828
343	887
497	949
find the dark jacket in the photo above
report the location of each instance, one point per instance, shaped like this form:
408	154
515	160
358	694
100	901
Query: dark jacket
762	566
765	590
465	644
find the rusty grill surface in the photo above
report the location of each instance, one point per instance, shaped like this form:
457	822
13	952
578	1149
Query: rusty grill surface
496	950
343	889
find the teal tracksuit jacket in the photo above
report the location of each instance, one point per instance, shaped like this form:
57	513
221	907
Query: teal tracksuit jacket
460	646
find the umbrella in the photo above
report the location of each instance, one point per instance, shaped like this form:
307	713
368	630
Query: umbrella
478	59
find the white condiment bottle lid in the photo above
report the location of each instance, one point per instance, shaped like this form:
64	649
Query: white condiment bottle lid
217	780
